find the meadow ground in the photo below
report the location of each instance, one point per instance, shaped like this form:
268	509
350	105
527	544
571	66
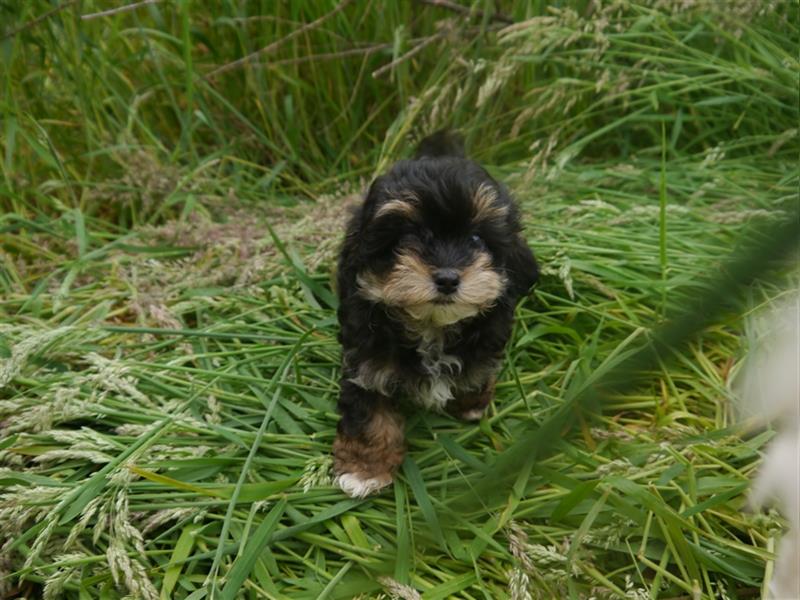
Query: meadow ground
174	183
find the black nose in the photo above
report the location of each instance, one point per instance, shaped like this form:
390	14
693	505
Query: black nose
446	280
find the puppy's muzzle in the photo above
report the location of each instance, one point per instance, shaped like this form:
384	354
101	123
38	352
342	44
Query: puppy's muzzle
447	281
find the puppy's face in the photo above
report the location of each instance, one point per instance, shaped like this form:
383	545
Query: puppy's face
438	240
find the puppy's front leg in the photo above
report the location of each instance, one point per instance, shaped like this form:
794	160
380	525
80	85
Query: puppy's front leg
369	444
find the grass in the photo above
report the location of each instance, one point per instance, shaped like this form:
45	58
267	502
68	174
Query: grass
168	354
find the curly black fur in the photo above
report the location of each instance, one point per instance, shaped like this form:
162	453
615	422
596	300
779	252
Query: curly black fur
426	208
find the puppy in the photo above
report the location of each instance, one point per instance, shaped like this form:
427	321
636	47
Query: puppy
431	268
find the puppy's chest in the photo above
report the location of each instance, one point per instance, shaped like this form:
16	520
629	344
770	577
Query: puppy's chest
441	372
430	371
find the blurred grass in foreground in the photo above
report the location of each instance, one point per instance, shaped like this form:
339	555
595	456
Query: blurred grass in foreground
152	333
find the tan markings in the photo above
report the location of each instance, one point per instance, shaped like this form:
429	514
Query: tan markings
484	207
408	284
481	285
397	206
370	286
480	288
376	453
441	315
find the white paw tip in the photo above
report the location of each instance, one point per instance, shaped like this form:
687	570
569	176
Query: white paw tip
358	487
475	414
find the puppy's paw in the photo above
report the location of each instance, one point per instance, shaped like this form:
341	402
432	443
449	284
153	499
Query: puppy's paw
473	414
365	460
359	486
471	405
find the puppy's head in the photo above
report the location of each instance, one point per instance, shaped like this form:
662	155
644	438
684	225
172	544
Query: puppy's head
439	240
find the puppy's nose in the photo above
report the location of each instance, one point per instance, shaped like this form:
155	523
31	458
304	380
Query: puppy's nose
446	280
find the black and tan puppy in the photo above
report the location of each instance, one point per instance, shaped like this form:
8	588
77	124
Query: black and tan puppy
431	268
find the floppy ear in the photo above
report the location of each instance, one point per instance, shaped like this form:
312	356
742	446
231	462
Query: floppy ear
521	268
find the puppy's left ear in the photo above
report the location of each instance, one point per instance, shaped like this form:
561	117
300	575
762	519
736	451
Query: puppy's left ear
521	268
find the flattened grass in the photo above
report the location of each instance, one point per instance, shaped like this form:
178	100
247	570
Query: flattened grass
648	494
168	354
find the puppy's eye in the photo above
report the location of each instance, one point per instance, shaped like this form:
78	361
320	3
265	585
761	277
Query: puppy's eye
477	240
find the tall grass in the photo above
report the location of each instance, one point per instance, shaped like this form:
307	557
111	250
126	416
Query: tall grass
168	368
83	98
